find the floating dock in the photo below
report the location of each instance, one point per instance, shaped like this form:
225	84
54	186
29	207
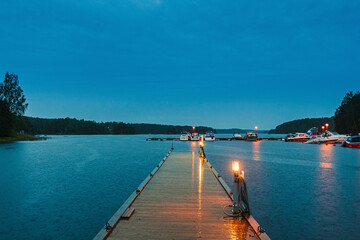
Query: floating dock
182	198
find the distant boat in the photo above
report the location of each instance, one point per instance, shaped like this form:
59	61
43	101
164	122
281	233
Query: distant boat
237	136
299	137
195	136
303	137
352	142
328	137
288	136
313	132
251	136
209	136
185	136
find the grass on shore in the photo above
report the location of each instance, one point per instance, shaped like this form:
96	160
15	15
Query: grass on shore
21	137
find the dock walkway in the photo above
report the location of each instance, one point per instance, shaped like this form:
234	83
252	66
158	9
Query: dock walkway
183	200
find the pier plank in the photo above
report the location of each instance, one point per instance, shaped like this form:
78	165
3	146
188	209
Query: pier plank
183	200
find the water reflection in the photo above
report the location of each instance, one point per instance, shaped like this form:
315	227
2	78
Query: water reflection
256	150
326	156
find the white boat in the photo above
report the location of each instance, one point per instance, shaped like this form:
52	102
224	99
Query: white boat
209	136
328	137
185	136
251	136
237	136
195	137
299	137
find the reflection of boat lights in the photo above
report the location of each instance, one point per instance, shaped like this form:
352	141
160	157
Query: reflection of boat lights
326	156
193	143
256	150
326	165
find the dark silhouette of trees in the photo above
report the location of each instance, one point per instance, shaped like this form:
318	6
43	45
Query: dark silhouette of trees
6	120
303	125
11	92
74	126
347	115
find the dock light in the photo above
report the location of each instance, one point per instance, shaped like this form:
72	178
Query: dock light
323	128
193	128
235	167
256	128
236	190
326	125
240	197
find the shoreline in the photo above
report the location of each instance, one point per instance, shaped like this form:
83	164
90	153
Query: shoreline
21	137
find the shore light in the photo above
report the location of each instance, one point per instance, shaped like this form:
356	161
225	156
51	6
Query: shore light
256	128
323	128
326	125
193	128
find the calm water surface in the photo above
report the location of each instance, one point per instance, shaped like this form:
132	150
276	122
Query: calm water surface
69	186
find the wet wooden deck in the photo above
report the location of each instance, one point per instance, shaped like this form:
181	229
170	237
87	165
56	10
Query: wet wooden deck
183	200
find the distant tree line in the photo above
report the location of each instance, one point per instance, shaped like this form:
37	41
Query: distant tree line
347	115
303	125
239	130
74	126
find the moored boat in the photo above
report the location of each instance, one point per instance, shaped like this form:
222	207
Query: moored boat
287	137
251	136
299	137
352	142
328	138
237	136
185	136
313	132
195	136
209	136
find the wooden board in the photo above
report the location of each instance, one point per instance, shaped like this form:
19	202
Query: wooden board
183	200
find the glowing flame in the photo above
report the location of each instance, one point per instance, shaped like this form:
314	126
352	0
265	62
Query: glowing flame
236	167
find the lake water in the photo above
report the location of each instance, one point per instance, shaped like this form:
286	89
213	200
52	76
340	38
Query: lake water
69	186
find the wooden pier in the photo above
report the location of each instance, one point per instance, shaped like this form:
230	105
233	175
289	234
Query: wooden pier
182	198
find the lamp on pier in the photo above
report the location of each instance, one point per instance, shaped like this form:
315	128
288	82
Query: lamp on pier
240	197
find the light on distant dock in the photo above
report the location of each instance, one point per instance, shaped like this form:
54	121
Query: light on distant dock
236	167
256	128
323	128
326	125
193	128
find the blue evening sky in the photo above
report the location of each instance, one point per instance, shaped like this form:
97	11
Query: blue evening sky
216	63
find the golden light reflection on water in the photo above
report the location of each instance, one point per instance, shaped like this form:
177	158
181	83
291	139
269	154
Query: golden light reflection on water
256	150
326	155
